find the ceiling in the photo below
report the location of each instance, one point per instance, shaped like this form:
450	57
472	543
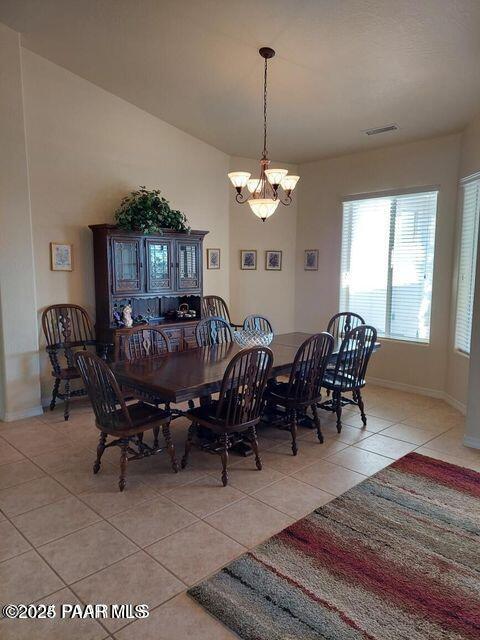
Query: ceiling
342	66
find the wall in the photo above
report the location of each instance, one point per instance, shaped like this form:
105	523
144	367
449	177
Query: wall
470	163
324	184
19	388
270	293
86	150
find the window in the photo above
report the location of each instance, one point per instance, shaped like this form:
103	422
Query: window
387	262
467	263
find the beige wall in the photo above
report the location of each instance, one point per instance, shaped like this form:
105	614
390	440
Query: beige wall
270	293
324	184
19	387
87	149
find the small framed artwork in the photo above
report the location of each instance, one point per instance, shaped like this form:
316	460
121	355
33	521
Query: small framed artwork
213	258
273	260
248	259
310	262
61	256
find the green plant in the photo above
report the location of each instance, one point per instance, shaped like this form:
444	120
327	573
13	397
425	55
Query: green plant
148	212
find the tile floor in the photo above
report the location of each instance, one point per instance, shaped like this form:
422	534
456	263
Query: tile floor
69	536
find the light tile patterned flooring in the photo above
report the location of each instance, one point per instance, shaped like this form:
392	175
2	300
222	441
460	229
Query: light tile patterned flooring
67	535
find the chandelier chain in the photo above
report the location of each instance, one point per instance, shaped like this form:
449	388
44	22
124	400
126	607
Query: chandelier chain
265	153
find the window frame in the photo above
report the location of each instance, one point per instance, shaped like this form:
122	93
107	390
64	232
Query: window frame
392	193
472	178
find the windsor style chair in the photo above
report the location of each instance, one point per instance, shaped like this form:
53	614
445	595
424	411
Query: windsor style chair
126	424
239	404
341	323
211	331
67	328
258	323
348	374
214	306
303	388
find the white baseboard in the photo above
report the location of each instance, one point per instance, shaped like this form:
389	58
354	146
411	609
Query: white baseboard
21	415
422	391
471	441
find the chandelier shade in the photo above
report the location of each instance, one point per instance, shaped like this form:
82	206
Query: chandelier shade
263	208
265	190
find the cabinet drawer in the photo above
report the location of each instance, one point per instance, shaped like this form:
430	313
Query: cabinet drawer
175	337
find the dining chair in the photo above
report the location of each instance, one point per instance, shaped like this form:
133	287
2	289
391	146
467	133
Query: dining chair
146	342
67	328
216	307
258	323
212	331
341	323
126	424
239	404
348	374
303	388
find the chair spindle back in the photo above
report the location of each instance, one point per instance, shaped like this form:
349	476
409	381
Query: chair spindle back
212	331
341	323
241	394
354	355
103	391
306	375
258	323
215	307
145	342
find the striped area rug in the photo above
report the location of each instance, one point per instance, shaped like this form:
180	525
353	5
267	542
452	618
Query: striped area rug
397	556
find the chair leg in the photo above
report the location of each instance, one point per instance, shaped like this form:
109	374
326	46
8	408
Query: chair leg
191	404
100	449
337	397
293	431
170	448
252	432
56	386
361	407
188	445
123	466
156	433
224	455
66	413
316	420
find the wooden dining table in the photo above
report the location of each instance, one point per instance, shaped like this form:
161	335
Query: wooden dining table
196	373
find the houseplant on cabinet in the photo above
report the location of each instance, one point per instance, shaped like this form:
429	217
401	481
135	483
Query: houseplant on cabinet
149	212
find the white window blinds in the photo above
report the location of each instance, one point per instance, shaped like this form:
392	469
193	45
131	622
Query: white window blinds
467	264
388	247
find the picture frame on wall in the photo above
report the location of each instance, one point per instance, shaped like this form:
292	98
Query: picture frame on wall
248	259
310	261
213	258
61	256
273	260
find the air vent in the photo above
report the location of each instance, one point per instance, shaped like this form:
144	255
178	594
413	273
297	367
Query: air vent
384	129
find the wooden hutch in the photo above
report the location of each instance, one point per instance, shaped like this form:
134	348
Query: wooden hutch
154	274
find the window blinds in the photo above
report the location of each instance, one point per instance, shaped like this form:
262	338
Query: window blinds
467	264
388	247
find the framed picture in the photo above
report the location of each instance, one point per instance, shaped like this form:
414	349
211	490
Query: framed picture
273	260
213	258
61	256
310	262
248	259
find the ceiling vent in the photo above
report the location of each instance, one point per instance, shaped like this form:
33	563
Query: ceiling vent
384	129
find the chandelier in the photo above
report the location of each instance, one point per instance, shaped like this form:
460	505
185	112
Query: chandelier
265	190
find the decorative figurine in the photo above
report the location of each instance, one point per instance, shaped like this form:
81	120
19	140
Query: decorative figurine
127	315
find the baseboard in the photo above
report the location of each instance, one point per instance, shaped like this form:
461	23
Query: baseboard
471	441
21	415
422	391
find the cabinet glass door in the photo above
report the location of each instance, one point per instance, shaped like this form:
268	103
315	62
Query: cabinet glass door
127	266
188	256
159	265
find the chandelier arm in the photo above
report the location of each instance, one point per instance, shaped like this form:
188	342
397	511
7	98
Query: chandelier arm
240	198
287	201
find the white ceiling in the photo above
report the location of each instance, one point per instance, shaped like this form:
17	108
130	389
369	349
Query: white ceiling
342	66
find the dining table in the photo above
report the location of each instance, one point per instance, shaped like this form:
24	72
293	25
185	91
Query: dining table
197	373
